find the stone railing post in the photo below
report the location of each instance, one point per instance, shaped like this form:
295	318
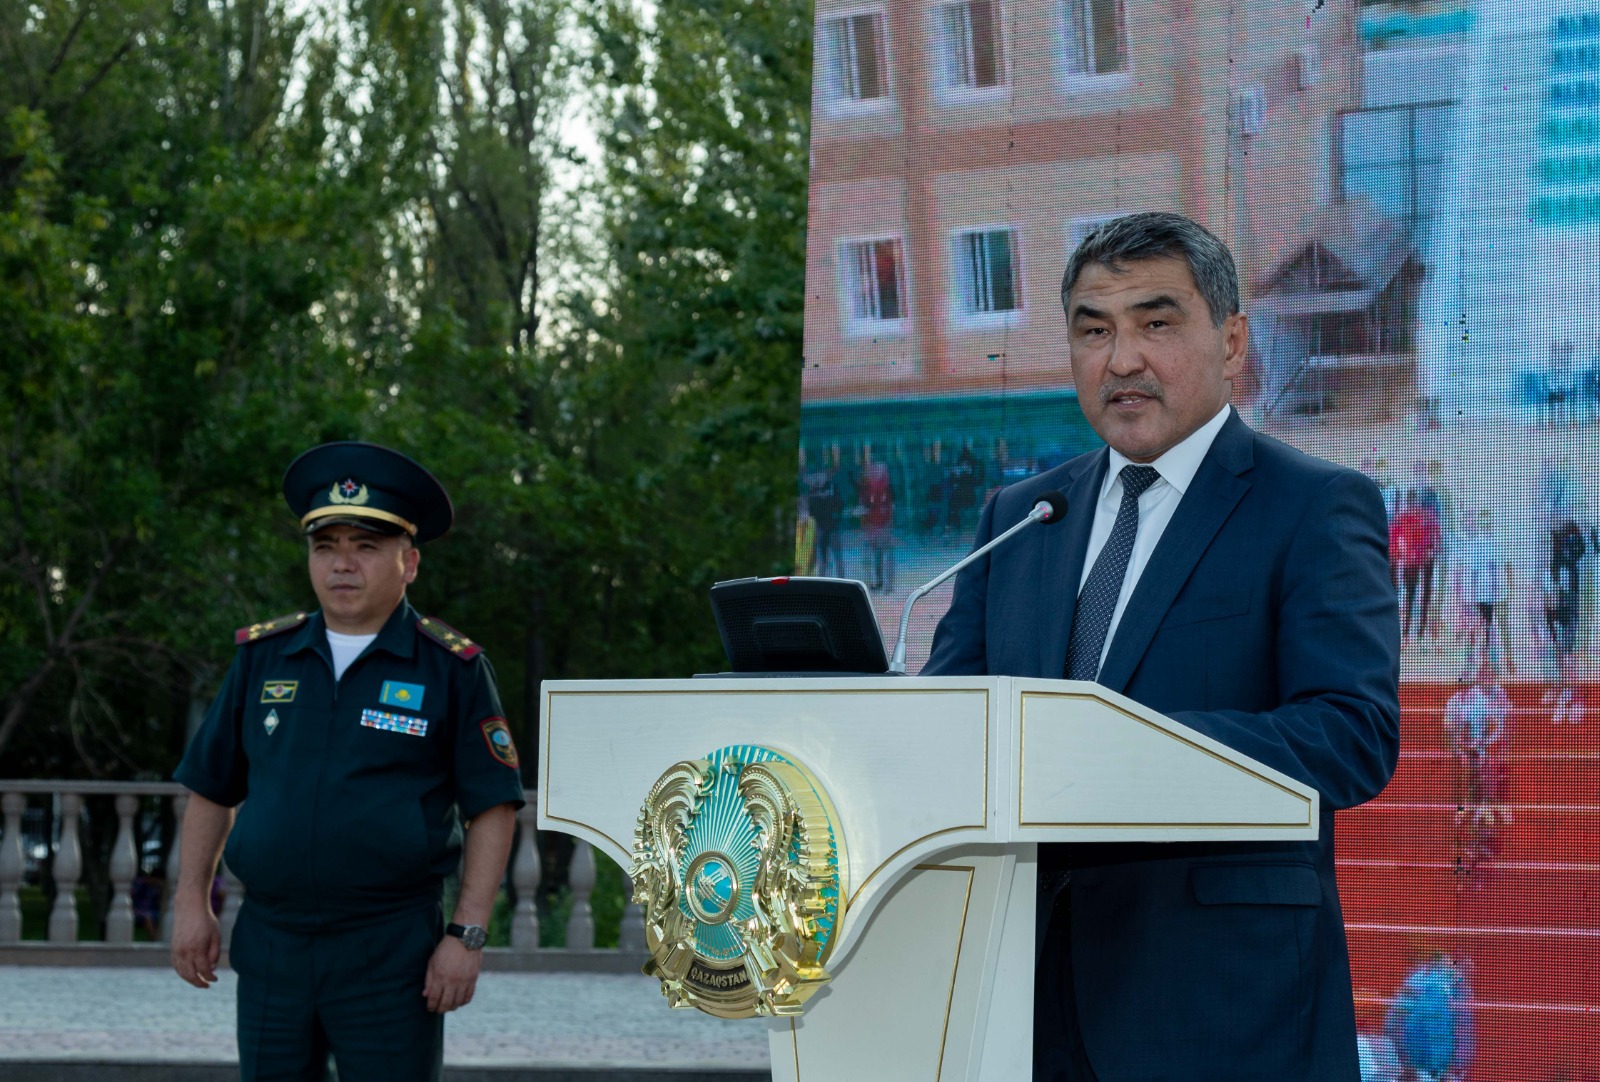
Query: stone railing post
525	876
11	806
66	869
630	937
580	877
179	804
124	866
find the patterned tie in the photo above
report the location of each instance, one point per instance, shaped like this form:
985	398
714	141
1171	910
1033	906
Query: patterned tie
1098	598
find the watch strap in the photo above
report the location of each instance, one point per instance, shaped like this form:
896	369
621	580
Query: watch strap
472	936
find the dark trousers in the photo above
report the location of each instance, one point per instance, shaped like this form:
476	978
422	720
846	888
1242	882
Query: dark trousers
356	992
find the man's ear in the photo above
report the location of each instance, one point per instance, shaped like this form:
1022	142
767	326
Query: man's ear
413	557
1236	335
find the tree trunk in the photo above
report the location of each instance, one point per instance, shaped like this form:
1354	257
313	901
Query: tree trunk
17	705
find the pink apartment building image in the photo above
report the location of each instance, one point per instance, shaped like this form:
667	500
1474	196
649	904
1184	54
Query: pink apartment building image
961	150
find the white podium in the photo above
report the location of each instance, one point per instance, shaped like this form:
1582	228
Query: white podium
942	786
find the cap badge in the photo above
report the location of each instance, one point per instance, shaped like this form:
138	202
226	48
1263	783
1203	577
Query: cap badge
270	721
348	492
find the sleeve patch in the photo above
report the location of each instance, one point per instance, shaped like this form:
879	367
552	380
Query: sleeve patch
268	628
497	734
449	638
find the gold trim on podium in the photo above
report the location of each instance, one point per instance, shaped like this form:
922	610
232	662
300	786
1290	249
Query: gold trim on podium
961	936
955	969
1022	759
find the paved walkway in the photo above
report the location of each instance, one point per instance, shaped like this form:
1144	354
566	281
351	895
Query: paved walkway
516	1019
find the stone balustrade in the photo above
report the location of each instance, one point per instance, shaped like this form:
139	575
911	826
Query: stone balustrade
58	860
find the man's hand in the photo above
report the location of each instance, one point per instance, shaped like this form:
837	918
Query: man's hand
196	935
196	941
452	975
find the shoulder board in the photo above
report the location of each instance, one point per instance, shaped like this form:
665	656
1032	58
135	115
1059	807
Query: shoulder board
449	638
266	628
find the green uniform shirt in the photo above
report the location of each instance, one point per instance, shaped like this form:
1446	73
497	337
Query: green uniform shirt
349	790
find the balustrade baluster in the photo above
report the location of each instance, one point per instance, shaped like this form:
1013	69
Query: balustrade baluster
11	806
179	804
580	877
631	936
66	869
124	866
525	876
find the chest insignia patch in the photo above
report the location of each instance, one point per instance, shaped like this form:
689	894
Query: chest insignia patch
394	723
279	691
405	696
270	722
497	734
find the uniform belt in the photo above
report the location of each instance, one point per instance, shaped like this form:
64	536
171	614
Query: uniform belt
325	914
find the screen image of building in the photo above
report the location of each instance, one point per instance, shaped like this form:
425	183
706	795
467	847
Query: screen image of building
1411	190
962	149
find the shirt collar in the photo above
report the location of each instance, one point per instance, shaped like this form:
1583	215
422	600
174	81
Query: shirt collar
309	634
397	636
1179	463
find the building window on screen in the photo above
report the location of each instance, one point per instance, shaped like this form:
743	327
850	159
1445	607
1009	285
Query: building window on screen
971	42
855	66
874	274
1097	37
1396	157
987	279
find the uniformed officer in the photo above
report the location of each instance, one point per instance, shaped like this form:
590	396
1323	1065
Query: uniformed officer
354	742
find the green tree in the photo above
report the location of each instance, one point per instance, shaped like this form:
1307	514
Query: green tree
231	230
196	202
695	343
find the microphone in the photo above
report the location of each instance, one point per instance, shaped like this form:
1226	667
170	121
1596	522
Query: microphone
1050	509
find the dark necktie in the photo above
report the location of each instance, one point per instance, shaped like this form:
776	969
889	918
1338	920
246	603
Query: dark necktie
1098	598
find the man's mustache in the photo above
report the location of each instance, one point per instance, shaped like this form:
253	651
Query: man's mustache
1148	388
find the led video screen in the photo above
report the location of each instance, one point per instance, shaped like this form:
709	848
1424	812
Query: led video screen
1412	194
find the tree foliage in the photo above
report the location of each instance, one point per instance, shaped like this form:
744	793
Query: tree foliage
188	238
698	337
231	229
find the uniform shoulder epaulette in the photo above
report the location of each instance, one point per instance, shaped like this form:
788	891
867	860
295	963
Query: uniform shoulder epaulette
449	638
266	628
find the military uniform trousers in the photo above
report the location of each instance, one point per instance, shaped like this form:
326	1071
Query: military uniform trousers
355	991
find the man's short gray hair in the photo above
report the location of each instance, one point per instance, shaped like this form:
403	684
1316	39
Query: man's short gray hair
1154	235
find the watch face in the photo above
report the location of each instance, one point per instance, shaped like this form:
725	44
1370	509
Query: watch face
472	937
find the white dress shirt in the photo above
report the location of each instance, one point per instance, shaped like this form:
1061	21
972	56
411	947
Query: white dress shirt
1177	468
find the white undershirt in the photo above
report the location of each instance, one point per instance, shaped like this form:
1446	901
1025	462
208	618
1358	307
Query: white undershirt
1177	468
346	648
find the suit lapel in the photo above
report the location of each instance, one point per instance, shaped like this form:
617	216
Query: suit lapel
1062	552
1210	499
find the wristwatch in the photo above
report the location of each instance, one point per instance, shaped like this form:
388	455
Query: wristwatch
472	936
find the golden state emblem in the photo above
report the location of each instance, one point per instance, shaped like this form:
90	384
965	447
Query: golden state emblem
738	863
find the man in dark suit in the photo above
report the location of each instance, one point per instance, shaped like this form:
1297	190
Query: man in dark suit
1239	586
